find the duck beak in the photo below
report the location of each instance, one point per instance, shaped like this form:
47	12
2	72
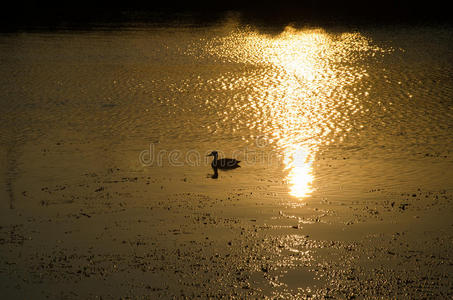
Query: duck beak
209	154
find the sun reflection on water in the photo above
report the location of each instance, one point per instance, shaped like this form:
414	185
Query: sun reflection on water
300	173
302	92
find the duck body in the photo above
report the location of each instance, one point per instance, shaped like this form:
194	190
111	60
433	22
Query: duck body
223	163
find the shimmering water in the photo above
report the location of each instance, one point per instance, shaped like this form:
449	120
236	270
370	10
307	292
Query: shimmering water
311	112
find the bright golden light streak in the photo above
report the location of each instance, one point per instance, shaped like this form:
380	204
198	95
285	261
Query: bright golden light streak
298	91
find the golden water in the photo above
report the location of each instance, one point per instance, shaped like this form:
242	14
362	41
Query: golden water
319	113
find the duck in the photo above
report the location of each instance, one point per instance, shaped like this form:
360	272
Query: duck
223	163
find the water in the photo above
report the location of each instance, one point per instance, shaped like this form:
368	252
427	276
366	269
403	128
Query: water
377	103
112	125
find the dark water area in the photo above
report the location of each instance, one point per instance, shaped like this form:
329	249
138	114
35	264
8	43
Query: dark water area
31	15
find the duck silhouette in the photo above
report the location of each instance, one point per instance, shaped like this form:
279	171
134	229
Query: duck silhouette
223	163
216	173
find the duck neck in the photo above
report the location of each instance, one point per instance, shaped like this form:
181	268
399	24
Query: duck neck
214	160
216	174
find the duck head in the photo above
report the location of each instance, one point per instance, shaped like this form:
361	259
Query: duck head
213	153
